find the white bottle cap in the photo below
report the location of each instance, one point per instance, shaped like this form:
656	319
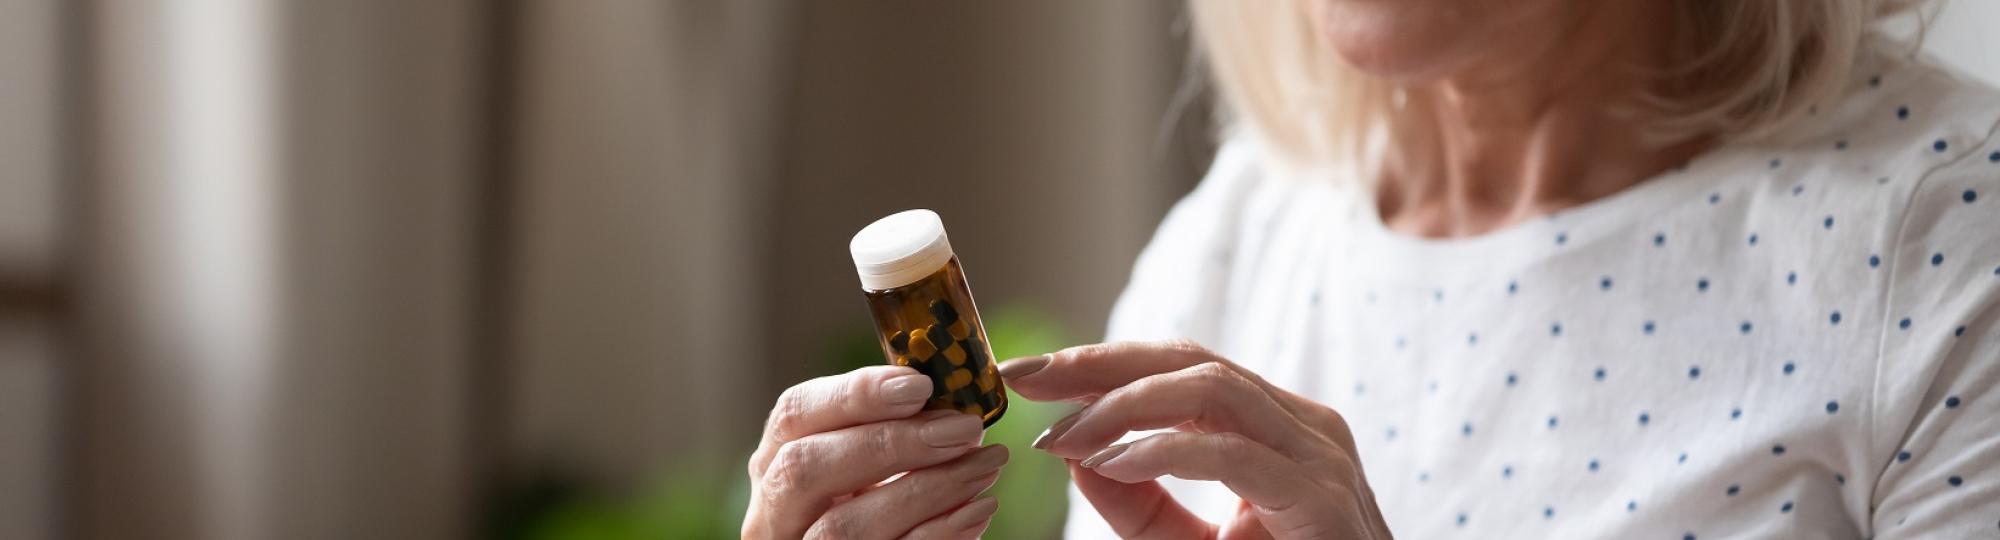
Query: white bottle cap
900	249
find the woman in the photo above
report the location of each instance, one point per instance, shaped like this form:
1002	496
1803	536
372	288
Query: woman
1539	269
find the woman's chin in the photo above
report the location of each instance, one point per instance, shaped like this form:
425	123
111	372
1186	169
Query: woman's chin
1382	42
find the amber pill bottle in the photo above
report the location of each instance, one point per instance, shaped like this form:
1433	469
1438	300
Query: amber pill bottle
924	315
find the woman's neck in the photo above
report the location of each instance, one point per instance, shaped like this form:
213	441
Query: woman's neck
1536	129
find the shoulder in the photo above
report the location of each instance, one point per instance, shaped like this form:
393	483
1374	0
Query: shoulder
1922	170
1910	155
1937	140
1902	116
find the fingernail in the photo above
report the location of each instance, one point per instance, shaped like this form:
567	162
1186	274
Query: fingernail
1105	455
907	389
950	431
973	513
1056	431
1022	367
988	459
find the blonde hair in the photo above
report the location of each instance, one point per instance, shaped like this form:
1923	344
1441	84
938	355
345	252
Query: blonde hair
1762	64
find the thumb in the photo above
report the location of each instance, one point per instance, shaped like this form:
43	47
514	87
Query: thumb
1138	510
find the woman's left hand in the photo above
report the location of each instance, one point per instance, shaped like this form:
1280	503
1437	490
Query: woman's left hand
1290	459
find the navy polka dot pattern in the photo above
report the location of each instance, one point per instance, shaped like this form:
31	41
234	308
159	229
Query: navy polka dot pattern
1728	341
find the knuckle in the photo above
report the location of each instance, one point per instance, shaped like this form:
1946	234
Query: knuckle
889	443
1185	346
865	381
1229	443
1338	421
789	471
1231	439
1217	375
791	405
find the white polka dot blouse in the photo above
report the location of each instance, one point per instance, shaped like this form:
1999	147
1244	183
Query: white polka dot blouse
1778	340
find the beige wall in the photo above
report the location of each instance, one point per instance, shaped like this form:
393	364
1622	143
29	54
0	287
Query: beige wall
685	214
274	269
643	148
300	222
28	253
1039	130
1961	34
320	294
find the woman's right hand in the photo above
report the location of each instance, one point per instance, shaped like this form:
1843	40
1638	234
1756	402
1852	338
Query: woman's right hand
831	442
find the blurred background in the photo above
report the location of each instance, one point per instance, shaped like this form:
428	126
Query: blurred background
536	269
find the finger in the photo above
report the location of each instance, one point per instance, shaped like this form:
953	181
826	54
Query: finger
1137	510
1087	371
897	507
1288	501
806	475
869	394
967	521
1258	474
1207	397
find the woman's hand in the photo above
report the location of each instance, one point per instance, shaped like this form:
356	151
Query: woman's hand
1290	459
832	441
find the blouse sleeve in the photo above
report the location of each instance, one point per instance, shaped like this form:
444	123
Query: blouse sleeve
1938	408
